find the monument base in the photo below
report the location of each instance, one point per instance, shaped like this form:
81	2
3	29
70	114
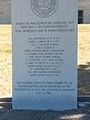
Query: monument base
82	113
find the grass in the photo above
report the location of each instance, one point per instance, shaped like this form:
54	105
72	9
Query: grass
6	60
84	59
83	44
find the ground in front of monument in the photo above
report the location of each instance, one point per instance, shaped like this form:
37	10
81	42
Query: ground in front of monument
6	113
